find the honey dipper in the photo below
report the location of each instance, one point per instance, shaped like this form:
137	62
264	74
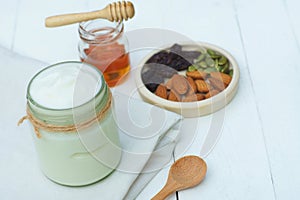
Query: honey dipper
116	11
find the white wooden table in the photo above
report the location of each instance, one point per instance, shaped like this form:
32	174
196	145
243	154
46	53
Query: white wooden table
258	153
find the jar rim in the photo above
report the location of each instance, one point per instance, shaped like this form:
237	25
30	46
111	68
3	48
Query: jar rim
90	36
32	101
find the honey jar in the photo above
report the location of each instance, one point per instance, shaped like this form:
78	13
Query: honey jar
104	45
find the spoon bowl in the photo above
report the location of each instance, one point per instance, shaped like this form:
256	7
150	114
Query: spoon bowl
185	173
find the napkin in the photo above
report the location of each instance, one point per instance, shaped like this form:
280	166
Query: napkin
147	133
148	136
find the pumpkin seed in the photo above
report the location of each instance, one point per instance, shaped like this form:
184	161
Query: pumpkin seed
202	50
222	60
216	63
203	64
211	69
192	68
216	56
219	68
200	58
225	68
211	52
210	62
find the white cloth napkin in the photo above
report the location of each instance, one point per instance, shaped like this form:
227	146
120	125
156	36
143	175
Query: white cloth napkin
143	129
148	136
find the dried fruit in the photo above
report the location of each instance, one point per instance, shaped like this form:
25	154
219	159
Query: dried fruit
196	75
175	58
225	78
202	86
161	91
159	69
180	84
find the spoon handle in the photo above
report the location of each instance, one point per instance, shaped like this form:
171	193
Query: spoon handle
168	189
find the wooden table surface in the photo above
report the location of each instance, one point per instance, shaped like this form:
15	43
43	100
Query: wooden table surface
258	153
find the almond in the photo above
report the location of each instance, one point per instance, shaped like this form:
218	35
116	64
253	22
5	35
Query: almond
217	84
211	93
200	96
179	84
161	91
202	86
190	98
173	96
196	75
169	84
225	78
193	87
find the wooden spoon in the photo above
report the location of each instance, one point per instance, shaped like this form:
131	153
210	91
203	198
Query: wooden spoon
116	11
186	172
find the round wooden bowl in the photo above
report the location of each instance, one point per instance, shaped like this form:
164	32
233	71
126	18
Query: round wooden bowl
197	108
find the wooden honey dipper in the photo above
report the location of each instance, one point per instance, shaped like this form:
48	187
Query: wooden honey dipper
116	11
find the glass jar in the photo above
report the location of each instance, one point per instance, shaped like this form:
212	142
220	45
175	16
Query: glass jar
88	154
104	45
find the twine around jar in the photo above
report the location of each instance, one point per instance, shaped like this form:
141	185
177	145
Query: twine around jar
38	124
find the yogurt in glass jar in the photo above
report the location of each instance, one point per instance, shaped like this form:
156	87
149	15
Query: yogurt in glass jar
71	113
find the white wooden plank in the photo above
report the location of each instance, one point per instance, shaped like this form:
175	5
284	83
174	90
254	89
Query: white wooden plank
273	64
48	44
292	9
238	166
8	19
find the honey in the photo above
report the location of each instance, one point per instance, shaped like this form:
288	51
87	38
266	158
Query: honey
104	45
111	59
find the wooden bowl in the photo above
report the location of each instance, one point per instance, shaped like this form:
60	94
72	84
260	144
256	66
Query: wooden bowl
197	108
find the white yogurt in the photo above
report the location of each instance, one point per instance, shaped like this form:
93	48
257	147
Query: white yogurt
65	87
